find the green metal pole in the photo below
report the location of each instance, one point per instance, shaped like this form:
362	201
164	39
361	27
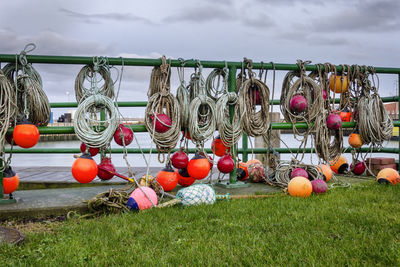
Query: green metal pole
245	147
398	117
232	88
1	180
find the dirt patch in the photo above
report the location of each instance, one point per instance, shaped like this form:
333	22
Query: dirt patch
35	225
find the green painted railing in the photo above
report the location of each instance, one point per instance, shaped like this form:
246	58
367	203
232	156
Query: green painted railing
233	66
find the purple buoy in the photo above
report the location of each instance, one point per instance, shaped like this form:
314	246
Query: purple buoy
359	168
298	103
334	121
299	172
319	186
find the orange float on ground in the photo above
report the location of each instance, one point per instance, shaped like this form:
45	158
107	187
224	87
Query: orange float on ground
388	175
326	172
300	187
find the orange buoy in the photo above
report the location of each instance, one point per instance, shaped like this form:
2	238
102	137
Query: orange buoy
326	172
84	169
167	178
218	147
300	187
355	140
345	115
199	167
184	178
10	180
338	84
241	171
339	166
388	175
26	134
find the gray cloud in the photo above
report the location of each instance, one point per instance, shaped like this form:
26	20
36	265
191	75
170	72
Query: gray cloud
363	16
201	14
49	42
97	18
291	2
260	20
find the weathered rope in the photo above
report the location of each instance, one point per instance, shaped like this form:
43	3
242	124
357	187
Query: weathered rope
216	83
255	122
161	101
31	99
374	123
284	169
202	115
182	95
88	73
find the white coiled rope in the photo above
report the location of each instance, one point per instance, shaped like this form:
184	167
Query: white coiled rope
88	128
202	115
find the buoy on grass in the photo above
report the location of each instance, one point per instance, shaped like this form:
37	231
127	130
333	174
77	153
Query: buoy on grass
138	200
388	175
299	172
319	186
300	187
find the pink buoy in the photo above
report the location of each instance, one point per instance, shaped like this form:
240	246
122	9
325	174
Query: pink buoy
319	186
359	168
299	172
298	103
324	95
334	121
140	198
163	123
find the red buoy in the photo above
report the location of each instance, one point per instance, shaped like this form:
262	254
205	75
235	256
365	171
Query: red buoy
163	122
359	168
10	180
93	151
298	103
226	164
84	169
298	172
334	122
319	186
179	159
26	134
123	135
104	169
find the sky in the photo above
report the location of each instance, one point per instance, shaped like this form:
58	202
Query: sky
364	32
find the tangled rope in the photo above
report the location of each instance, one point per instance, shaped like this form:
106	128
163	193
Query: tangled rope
32	101
284	169
88	128
255	123
216	83
182	95
161	101
8	108
89	73
326	149
374	123
202	117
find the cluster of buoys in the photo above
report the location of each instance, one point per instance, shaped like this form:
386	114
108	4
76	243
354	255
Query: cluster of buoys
301	184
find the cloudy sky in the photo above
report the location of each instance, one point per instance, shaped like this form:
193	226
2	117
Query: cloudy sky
351	32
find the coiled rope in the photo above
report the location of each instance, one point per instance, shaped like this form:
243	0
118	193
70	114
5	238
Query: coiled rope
284	169
182	95
229	130
216	83
161	101
8	108
202	115
87	73
255	123
374	123
32	101
88	129
327	150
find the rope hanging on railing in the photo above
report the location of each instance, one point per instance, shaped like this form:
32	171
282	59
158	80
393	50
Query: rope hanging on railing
90	130
216	83
161	107
8	108
202	115
182	95
254	92
326	149
99	67
229	131
32	101
374	123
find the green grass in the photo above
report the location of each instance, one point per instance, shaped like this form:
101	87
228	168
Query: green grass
355	226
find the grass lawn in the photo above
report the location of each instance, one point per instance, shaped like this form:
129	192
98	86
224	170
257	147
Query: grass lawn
353	226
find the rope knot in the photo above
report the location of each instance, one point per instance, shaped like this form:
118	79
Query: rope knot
232	98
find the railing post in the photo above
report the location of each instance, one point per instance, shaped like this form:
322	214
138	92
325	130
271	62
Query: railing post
232	88
398	117
245	147
1	180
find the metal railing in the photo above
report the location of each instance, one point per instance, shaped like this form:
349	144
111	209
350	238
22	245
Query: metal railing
232	66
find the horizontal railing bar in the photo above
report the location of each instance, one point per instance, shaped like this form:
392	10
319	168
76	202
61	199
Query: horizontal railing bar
140	128
144	103
191	150
174	63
